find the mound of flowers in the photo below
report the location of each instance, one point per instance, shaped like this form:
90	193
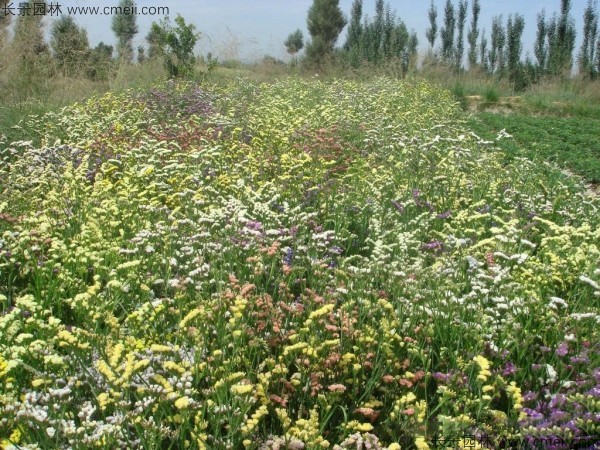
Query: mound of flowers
297	265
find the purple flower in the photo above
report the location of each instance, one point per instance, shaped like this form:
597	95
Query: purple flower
509	369
336	250
443	377
254	225
288	257
444	215
434	245
562	349
398	206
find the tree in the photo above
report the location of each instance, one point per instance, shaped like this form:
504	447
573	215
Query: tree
598	57
355	34
355	28
325	22
125	28
514	47
460	26
28	40
141	54
561	41
154	38
70	45
431	32
447	32
294	42
100	62
4	22
588	47
483	52
473	34
498	39
539	49
177	45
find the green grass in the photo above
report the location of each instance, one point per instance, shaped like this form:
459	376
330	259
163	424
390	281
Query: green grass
570	142
12	115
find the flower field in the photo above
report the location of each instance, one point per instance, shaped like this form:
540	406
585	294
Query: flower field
297	265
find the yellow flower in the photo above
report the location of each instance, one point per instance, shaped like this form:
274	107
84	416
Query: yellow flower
241	389
421	444
182	402
394	446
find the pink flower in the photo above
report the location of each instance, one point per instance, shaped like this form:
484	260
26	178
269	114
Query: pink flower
337	388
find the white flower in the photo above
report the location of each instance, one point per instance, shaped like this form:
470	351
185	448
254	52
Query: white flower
557	301
551	373
50	431
589	281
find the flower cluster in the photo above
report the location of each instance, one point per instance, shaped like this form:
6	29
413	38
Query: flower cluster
297	265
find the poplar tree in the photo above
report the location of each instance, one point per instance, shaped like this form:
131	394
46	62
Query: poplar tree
498	40
473	34
588	47
447	32
355	28
431	32
540	49
460	27
483	52
514	47
125	28
561	41
325	22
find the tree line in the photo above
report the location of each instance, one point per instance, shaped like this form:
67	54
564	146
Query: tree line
69	53
385	37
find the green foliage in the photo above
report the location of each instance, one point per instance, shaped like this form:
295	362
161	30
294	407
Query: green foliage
498	41
383	39
473	34
141	54
4	22
153	38
125	28
325	22
176	45
447	33
483	52
588	47
571	142
514	34
101	62
31	53
540	49
491	94
431	32
561	42
598	57
294	42
460	27
354	40
70	45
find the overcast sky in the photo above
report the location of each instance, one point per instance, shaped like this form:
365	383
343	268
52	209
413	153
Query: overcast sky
249	29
